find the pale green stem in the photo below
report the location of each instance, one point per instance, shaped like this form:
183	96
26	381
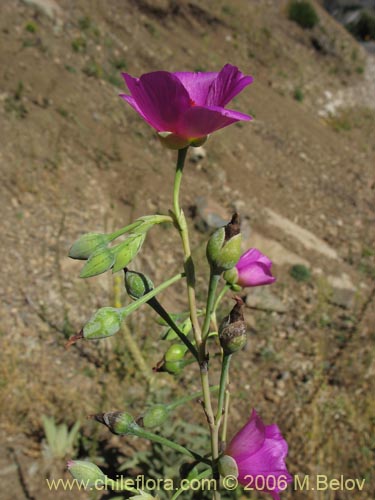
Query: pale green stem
134	350
126	229
183	230
223	384
186	399
124	311
214	279
225	420
151	436
220	297
190	278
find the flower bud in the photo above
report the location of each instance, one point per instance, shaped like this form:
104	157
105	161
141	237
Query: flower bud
86	472
231	276
99	262
232	331
224	246
154	416
137	284
104	323
126	251
87	244
118	422
227	466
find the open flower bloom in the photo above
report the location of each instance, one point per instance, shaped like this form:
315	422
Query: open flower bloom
259	451
186	107
254	269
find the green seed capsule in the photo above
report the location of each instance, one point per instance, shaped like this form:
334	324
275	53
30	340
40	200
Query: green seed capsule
104	323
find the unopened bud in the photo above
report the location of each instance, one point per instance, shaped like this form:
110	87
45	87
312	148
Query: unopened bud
224	246
227	466
137	284
118	422
86	472
104	323
154	416
99	262
87	244
232	331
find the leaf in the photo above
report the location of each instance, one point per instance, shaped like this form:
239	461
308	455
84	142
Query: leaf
49	429
99	262
127	250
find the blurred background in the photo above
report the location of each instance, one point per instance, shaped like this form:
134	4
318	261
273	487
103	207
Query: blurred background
75	158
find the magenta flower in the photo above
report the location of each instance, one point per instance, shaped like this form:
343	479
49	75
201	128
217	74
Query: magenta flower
259	451
254	269
187	106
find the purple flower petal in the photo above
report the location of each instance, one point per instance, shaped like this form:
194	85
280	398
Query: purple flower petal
161	98
197	85
199	121
264	463
229	82
256	274
248	440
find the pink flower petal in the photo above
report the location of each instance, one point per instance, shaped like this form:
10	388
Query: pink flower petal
161	98
246	259
248	440
199	121
256	274
197	85
229	82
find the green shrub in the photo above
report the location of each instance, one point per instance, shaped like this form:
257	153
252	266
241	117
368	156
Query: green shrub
299	272
303	13
364	27
298	94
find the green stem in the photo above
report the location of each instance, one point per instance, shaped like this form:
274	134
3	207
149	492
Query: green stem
125	311
202	475
124	230
151	436
186	399
183	230
214	279
223	384
225	421
220	296
190	279
155	304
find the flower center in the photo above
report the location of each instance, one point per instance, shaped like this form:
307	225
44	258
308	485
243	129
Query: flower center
192	103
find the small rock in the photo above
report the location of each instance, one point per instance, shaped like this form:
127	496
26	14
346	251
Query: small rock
261	298
342	291
49	7
197	154
209	215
